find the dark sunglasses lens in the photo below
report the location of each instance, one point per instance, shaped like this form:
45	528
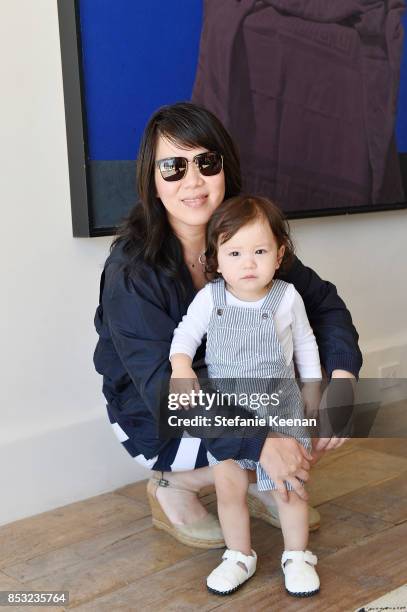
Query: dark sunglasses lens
210	163
173	168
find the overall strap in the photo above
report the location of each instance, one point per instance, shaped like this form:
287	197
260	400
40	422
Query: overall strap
218	292
275	295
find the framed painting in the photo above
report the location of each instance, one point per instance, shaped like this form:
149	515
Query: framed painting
305	139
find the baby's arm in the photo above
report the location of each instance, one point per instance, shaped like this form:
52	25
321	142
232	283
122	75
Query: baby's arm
306	356
187	338
183	378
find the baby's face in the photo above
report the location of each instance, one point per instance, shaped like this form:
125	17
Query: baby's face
249	260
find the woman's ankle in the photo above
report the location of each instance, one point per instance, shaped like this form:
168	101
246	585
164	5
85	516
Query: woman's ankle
192	480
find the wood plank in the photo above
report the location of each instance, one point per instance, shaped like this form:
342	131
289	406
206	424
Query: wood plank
386	501
28	608
341	527
390	446
342	474
181	586
141	554
349	578
87	580
11	584
136	491
38	608
336	595
48	531
105	552
378	562
63	558
8	583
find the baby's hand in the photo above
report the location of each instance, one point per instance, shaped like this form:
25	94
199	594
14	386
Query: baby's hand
311	395
183	382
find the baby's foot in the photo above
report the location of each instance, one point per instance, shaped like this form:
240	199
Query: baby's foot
234	570
301	578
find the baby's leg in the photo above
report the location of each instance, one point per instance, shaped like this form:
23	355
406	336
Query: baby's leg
298	563
294	520
231	484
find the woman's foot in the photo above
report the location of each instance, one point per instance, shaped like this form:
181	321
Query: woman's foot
179	498
301	578
234	570
181	514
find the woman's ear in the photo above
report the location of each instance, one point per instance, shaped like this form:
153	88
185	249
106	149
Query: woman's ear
280	255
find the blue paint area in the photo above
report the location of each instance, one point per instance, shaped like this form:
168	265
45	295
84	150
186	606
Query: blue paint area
141	54
401	126
137	56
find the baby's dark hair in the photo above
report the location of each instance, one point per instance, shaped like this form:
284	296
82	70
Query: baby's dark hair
232	215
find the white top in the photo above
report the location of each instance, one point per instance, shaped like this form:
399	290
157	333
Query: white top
290	320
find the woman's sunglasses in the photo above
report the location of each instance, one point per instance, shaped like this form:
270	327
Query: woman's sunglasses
175	168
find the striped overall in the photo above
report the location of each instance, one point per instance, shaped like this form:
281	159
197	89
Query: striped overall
244	352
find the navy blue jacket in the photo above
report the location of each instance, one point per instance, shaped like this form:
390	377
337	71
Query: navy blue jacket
136	318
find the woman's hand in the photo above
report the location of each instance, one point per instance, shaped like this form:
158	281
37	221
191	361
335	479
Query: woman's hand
342	401
311	395
285	459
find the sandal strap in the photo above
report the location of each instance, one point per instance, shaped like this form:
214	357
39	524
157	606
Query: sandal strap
163	482
230	573
299	555
238	557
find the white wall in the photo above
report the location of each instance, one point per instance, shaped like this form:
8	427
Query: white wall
365	256
55	444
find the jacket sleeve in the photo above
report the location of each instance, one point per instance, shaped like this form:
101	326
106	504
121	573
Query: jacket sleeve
141	332
330	320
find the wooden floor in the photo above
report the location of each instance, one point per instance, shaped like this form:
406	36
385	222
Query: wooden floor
107	554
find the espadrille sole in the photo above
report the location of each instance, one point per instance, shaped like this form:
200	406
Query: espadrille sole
184	539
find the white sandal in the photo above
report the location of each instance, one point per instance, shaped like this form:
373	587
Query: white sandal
301	579
229	576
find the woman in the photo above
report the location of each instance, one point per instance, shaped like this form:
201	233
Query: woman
187	166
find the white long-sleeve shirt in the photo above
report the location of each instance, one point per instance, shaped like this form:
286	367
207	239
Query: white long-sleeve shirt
291	324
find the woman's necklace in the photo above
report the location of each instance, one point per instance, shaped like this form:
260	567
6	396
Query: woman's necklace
193	260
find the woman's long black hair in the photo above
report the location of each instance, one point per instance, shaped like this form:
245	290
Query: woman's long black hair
145	234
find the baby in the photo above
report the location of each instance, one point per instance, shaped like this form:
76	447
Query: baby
255	325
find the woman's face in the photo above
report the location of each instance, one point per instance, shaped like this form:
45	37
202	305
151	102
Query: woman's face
190	201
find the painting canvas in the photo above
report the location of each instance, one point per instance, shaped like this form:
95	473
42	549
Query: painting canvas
124	59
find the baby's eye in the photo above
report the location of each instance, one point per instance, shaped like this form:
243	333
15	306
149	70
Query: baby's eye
261	251
234	253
